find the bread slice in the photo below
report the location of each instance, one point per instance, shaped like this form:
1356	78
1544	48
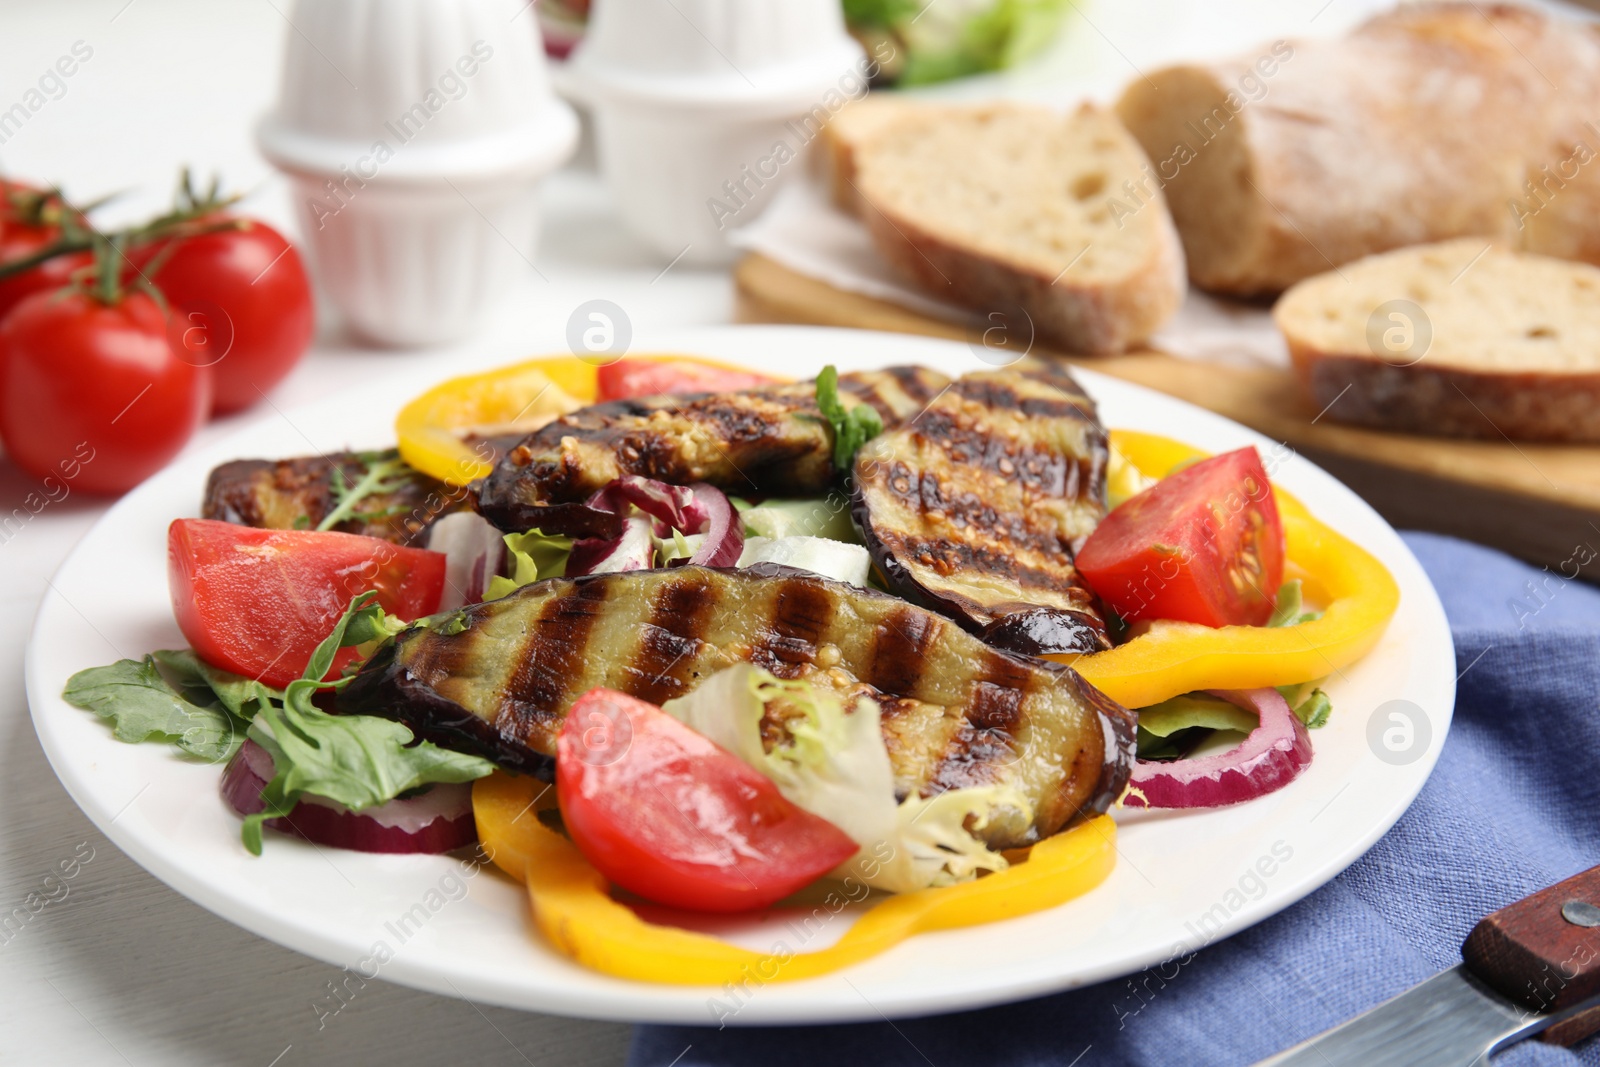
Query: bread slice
1006	206
1505	344
1428	122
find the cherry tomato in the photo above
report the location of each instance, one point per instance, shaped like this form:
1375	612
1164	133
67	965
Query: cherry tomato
81	377
258	602
657	377
663	812
1203	545
25	228
241	304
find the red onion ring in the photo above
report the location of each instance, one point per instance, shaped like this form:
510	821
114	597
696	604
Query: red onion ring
689	509
1270	758
438	820
474	553
632	551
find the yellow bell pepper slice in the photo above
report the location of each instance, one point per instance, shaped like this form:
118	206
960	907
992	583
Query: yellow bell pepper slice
573	908
432	428
1172	658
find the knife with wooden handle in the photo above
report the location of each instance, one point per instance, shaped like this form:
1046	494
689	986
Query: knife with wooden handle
1530	969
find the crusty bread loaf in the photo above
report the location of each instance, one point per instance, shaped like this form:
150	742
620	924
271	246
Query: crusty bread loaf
1433	121
1506	344
1001	206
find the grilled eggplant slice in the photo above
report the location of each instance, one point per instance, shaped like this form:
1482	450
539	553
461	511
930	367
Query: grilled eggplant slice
975	508
767	440
298	493
498	678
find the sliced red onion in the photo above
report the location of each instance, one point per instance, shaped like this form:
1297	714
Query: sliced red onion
1270	758
437	820
633	551
474	553
688	509
724	542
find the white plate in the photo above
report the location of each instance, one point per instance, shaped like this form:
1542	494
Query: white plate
1181	878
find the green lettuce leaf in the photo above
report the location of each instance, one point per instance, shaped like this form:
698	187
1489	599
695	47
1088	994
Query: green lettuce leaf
358	760
834	764
852	427
534	557
1290	608
827	516
1195	709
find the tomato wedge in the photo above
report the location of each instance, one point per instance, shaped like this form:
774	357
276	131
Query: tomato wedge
663	812
257	602
629	378
1203	545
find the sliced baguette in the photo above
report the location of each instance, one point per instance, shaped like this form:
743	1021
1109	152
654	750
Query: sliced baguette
1514	349
1428	122
1005	205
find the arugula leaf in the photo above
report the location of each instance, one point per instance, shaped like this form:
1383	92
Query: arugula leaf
852	427
242	696
382	472
358	760
143	705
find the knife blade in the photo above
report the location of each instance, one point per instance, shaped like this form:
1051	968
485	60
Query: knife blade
1531	968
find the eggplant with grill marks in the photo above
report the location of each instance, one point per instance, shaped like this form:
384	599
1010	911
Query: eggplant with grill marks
976	507
497	679
770	440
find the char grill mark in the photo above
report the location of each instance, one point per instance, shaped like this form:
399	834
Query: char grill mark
899	651
551	661
670	640
975	507
954	710
801	615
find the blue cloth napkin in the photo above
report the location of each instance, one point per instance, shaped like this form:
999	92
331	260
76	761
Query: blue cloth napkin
1513	806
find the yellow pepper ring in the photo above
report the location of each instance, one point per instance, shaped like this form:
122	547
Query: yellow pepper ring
431	428
573	908
1174	658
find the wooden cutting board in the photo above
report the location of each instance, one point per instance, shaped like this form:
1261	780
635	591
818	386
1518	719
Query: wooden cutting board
1539	502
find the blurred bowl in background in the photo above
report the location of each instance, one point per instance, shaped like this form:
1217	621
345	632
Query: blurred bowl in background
415	133
702	108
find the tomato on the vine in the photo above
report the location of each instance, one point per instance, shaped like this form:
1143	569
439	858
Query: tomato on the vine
29	223
81	376
241	304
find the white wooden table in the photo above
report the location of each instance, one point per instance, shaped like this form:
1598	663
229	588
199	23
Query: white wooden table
121	968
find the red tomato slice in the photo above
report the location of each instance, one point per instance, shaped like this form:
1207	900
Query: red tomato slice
258	602
1203	545
659	377
664	813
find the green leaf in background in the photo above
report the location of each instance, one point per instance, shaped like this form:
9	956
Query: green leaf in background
142	705
852	427
943	40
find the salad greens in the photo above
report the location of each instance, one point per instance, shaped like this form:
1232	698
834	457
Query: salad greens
834	764
935	42
852	427
382	472
143	704
533	556
358	760
823	516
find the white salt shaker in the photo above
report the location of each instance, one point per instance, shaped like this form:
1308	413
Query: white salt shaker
702	108
415	133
